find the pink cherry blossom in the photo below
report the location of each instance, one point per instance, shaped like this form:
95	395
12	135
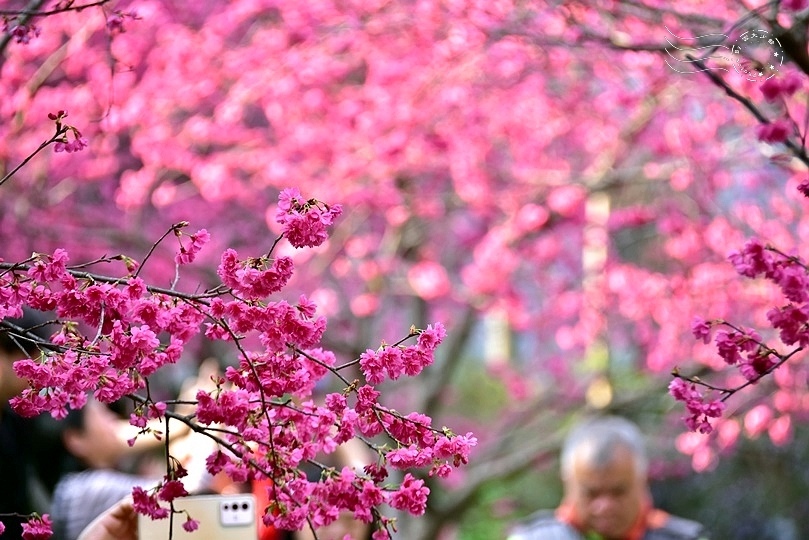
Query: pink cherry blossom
37	528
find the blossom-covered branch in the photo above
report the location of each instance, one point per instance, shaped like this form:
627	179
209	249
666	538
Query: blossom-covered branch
260	432
744	348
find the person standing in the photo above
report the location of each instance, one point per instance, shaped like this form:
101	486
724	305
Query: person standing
31	450
604	469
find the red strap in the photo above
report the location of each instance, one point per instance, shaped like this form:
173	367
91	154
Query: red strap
649	519
265	532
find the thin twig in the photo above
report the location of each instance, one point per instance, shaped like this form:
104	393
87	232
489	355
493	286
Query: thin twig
57	136
174	228
22	18
797	151
33	9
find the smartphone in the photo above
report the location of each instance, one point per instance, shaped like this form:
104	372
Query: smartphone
221	517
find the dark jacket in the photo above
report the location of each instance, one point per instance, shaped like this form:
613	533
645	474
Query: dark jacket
544	525
32	458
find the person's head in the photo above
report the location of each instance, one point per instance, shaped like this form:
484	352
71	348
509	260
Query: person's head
604	470
91	435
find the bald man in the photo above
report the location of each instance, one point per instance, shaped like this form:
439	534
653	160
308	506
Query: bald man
604	471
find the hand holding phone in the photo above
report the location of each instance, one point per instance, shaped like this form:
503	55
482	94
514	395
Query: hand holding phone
221	517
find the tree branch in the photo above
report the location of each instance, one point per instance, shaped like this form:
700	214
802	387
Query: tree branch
22	18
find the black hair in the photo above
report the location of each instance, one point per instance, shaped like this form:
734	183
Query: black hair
47	457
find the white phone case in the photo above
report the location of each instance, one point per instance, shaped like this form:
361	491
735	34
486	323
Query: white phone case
221	517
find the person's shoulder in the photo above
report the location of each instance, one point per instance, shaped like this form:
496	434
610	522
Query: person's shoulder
542	525
678	528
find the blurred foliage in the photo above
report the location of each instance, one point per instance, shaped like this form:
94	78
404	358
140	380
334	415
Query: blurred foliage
479	395
517	496
756	491
759	492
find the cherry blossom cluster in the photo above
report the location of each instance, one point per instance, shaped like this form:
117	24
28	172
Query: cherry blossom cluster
252	279
774	132
776	88
116	21
700	410
115	332
744	348
795	5
148	501
20	33
393	361
791	275
305	222
17	23
60	140
63	143
38	528
188	252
